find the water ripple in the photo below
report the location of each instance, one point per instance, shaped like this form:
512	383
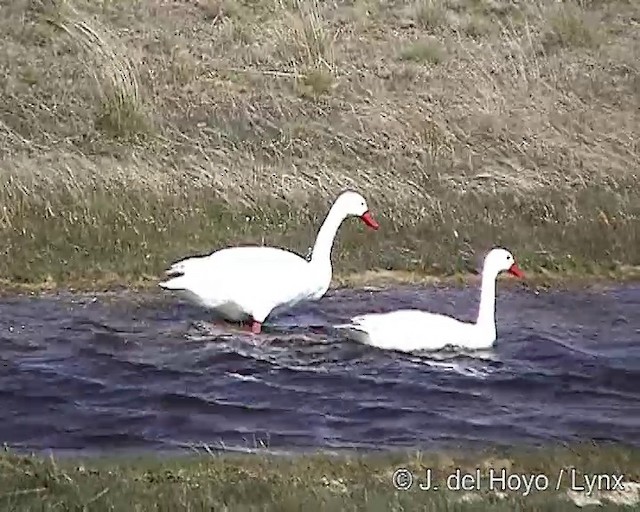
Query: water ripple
104	373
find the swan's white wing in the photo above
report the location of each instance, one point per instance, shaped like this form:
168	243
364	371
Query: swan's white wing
408	330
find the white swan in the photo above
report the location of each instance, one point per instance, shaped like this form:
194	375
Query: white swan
410	329
247	284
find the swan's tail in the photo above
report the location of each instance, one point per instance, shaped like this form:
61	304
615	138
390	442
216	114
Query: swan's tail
177	283
353	331
347	326
356	322
177	273
178	268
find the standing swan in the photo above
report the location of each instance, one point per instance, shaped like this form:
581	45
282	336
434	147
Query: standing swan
248	283
411	329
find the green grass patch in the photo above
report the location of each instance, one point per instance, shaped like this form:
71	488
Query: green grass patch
323	482
94	230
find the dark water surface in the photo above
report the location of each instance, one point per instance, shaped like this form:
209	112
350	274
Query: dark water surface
105	373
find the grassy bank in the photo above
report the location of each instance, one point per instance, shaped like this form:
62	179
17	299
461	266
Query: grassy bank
320	482
135	133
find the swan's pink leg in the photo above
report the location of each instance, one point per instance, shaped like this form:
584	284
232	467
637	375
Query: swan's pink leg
251	326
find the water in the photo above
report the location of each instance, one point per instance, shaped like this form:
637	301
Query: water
99	374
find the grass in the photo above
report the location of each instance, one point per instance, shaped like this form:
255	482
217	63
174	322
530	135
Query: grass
136	133
321	482
423	51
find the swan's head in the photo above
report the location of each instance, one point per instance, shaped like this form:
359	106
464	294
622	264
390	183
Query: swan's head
353	204
500	260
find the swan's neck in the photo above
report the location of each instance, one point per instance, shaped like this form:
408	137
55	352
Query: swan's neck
487	314
321	254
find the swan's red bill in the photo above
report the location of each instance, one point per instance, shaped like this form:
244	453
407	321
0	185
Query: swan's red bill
516	271
369	220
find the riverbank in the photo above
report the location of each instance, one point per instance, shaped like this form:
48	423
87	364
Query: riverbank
322	482
135	134
535	279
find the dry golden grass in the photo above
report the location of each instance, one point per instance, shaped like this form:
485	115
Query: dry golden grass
133	133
